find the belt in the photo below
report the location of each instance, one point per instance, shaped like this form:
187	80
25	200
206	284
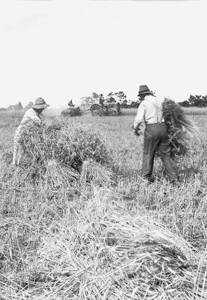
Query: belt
155	123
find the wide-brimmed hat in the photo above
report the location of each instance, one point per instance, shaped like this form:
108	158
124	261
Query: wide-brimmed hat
40	103
143	89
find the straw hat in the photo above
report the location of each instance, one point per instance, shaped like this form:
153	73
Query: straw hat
40	103
143	89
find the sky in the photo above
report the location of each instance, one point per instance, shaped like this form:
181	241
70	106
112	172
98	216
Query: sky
62	50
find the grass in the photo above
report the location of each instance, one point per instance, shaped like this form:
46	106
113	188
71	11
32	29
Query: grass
119	240
192	111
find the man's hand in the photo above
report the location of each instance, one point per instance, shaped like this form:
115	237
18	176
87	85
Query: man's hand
136	130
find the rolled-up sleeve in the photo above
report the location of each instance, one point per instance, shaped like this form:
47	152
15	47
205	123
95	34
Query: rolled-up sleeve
140	116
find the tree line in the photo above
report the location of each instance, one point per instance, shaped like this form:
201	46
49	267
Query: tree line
113	97
195	101
17	106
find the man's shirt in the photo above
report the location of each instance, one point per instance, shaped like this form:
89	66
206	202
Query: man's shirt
149	111
31	116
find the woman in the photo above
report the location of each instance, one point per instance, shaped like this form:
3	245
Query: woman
32	115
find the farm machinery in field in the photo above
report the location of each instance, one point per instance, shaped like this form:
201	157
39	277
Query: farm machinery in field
101	109
108	109
72	112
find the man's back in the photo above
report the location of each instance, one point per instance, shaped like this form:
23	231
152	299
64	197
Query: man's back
152	110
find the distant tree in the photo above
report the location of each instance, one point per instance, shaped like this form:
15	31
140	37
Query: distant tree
125	104
95	96
110	98
29	105
19	106
10	107
198	100
134	104
185	103
121	96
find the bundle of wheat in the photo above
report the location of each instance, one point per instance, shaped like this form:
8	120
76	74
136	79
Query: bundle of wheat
181	129
57	176
53	154
102	256
96	174
88	141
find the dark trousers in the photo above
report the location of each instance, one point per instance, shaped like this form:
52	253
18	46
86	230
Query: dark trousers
156	139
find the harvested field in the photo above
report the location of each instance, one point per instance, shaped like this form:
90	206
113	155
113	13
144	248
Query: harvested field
78	222
193	111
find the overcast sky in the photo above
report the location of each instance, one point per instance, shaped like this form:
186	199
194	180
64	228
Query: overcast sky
62	50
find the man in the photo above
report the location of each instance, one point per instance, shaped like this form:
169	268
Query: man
118	107
32	115
70	103
155	135
101	100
